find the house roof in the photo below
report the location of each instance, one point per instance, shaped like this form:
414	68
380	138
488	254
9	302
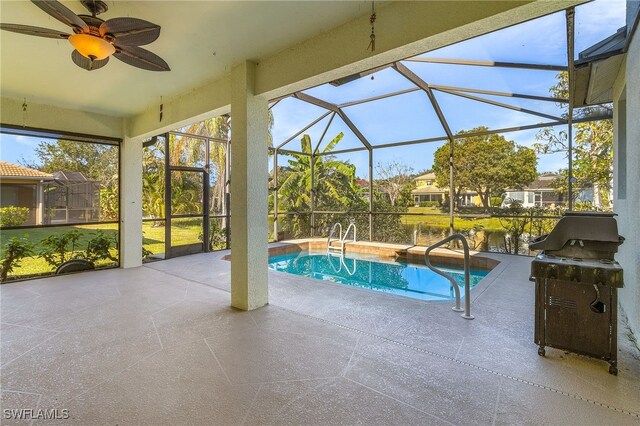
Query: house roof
362	183
597	68
543	182
429	190
426	176
14	170
70	176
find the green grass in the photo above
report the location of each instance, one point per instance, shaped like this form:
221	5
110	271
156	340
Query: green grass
185	231
438	219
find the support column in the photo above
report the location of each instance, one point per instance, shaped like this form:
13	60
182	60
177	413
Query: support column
370	194
452	188
131	203
312	194
40	201
275	195
249	192
570	18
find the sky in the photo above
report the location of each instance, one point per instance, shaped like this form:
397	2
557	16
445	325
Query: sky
410	116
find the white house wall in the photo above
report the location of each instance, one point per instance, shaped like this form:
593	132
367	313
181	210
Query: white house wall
628	207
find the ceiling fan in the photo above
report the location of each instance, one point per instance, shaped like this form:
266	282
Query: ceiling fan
95	40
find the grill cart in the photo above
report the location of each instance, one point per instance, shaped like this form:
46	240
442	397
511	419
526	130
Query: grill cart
577	281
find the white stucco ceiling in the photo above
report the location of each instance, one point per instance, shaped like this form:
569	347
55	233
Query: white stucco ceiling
41	69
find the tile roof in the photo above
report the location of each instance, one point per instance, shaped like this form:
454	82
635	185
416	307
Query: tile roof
14	170
426	176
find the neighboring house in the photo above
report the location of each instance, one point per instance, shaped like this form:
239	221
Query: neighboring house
363	186
541	193
72	198
23	187
428	190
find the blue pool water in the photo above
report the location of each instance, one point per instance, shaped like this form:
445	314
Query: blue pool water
403	279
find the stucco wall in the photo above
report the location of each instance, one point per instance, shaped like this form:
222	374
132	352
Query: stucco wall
627	206
41	116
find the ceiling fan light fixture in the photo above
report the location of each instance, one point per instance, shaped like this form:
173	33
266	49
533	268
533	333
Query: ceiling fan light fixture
92	47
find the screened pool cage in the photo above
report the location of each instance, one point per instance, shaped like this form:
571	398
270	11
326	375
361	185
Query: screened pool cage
370	223
71	198
337	110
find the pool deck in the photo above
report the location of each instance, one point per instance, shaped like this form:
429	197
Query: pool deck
159	344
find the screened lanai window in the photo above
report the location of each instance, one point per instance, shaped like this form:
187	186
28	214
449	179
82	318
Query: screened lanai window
60	200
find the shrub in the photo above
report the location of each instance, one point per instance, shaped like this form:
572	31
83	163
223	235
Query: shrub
99	248
13	216
496	201
429	204
15	250
584	206
57	249
514	225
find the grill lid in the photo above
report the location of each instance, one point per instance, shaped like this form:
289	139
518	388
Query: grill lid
581	226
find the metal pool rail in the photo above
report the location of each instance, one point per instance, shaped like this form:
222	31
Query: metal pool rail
467	300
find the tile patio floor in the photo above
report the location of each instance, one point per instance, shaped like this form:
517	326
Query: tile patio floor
159	344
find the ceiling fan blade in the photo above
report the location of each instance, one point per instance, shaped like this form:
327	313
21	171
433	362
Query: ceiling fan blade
87	63
34	31
141	58
61	13
130	31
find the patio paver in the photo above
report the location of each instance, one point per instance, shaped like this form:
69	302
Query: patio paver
159	344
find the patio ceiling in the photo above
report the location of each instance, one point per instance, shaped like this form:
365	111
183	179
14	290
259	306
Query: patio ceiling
200	41
297	45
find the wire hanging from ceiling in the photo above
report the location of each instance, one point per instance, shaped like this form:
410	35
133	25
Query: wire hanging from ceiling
372	21
25	112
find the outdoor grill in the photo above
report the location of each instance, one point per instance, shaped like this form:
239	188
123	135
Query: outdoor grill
577	281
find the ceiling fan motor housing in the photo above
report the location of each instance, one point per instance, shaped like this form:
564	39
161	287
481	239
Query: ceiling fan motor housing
96	7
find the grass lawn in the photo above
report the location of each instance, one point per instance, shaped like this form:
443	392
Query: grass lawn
184	232
438	219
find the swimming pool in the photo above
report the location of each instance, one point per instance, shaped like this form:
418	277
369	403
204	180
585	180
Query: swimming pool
399	278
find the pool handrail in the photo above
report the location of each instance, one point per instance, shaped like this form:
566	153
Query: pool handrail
342	238
467	300
330	239
352	224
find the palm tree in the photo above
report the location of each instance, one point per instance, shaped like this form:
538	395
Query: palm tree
334	183
153	182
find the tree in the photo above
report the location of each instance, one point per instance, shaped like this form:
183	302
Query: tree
153	182
394	180
592	148
335	182
219	128
486	164
95	161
